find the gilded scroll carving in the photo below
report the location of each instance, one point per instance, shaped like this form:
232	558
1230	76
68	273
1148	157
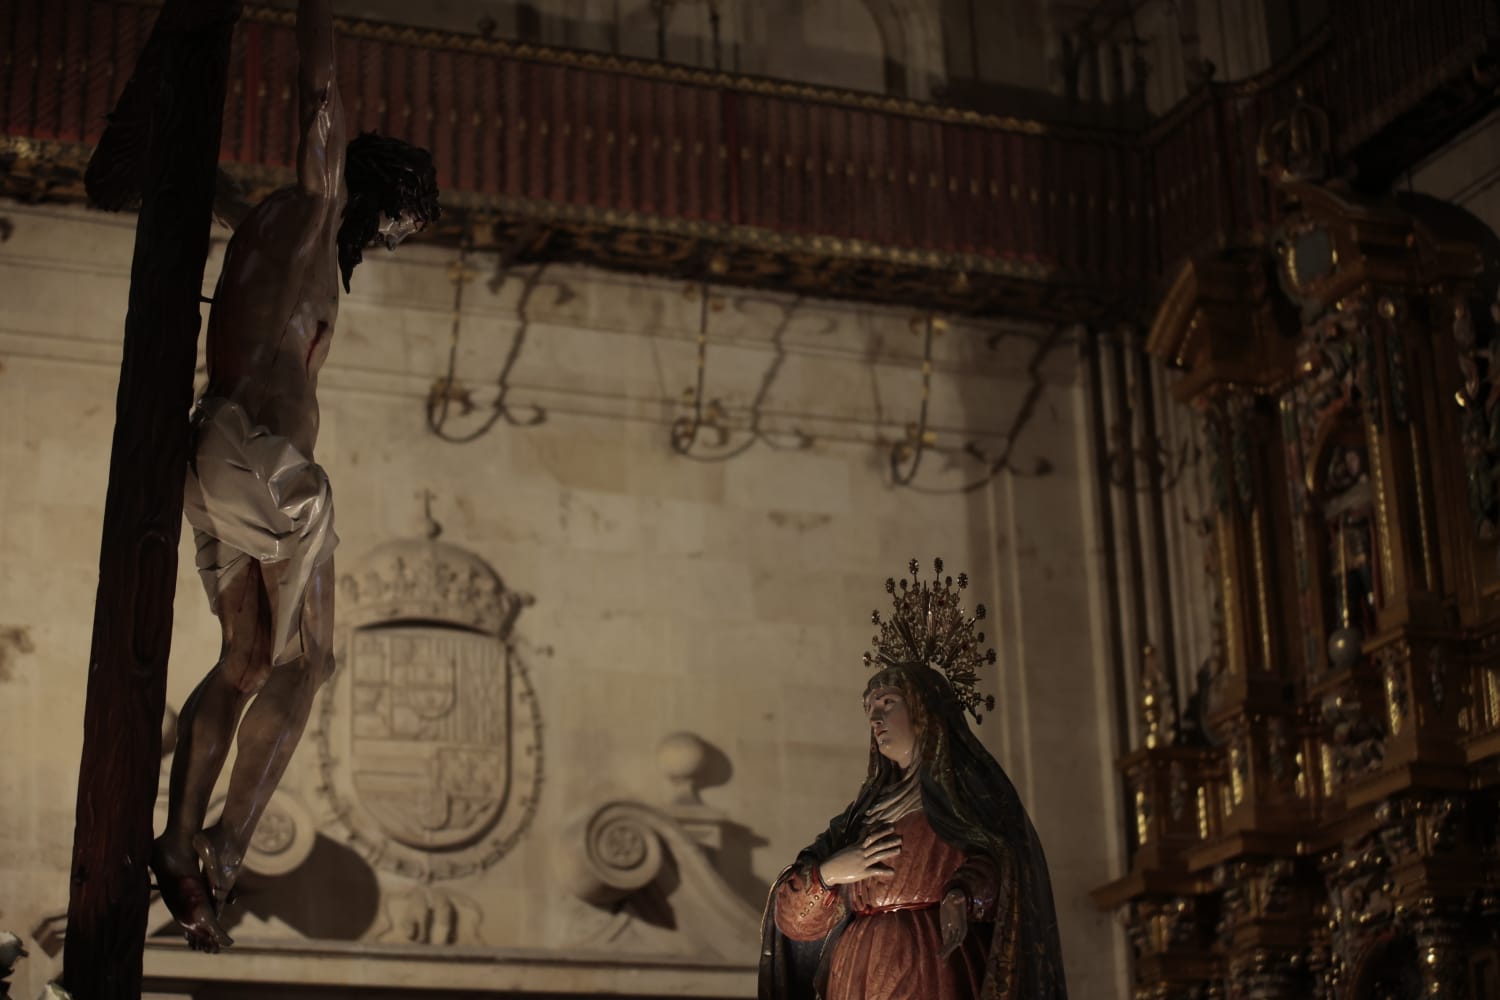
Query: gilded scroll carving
1354	743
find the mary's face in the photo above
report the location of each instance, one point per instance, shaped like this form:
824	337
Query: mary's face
891	725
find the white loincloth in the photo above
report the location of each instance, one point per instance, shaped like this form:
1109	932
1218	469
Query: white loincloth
251	494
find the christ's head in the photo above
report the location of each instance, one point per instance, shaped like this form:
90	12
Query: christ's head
392	194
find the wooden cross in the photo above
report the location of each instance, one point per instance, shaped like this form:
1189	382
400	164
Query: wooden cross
162	146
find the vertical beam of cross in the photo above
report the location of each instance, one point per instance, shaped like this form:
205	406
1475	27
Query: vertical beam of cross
178	103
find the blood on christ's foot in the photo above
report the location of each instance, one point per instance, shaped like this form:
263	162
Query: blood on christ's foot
187	895
220	866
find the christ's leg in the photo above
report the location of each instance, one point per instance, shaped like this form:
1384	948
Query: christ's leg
204	731
269	733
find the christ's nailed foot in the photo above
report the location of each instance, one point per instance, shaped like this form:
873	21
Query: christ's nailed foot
186	893
220	866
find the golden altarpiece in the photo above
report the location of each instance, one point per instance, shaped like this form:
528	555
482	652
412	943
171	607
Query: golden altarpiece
1319	819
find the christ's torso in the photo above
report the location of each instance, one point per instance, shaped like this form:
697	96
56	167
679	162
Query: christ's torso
273	313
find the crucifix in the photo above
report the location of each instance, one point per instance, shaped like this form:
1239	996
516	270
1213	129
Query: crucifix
162	145
241	469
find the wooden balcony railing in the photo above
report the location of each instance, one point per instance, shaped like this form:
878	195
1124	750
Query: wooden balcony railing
1035	218
1374	61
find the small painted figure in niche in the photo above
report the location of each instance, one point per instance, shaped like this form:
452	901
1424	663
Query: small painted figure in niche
1475	335
1359	577
1346	470
260	506
1487	439
932	884
1348	500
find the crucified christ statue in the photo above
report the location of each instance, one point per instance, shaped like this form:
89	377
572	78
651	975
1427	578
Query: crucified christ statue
260	507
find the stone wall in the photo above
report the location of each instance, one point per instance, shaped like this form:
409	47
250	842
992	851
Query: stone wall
999	55
727	598
1466	172
1058	60
877	46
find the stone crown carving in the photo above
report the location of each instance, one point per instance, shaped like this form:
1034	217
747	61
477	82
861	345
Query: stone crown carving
430	581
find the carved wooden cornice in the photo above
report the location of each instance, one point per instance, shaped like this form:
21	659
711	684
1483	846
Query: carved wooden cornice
1218	322
36	170
1372	243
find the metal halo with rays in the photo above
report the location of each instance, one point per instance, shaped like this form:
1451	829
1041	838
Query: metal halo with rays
927	625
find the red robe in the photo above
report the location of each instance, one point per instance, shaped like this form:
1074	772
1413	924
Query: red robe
889	949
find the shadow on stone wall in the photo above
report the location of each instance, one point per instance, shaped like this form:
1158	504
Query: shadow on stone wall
734	863
737	841
333	896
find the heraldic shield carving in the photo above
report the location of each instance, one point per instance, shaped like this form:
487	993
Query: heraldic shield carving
429	734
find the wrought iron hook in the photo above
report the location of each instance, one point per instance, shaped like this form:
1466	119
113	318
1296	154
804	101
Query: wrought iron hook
918	437
706	414
448	390
710	414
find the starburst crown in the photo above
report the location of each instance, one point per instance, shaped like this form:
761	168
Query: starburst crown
927	625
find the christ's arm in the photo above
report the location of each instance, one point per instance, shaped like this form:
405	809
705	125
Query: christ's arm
320	151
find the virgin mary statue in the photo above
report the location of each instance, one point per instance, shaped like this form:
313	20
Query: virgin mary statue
931	885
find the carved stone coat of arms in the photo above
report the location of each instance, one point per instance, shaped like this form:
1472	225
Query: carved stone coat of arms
428	738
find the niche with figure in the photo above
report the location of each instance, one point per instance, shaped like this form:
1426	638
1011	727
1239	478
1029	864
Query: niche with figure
1345	498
